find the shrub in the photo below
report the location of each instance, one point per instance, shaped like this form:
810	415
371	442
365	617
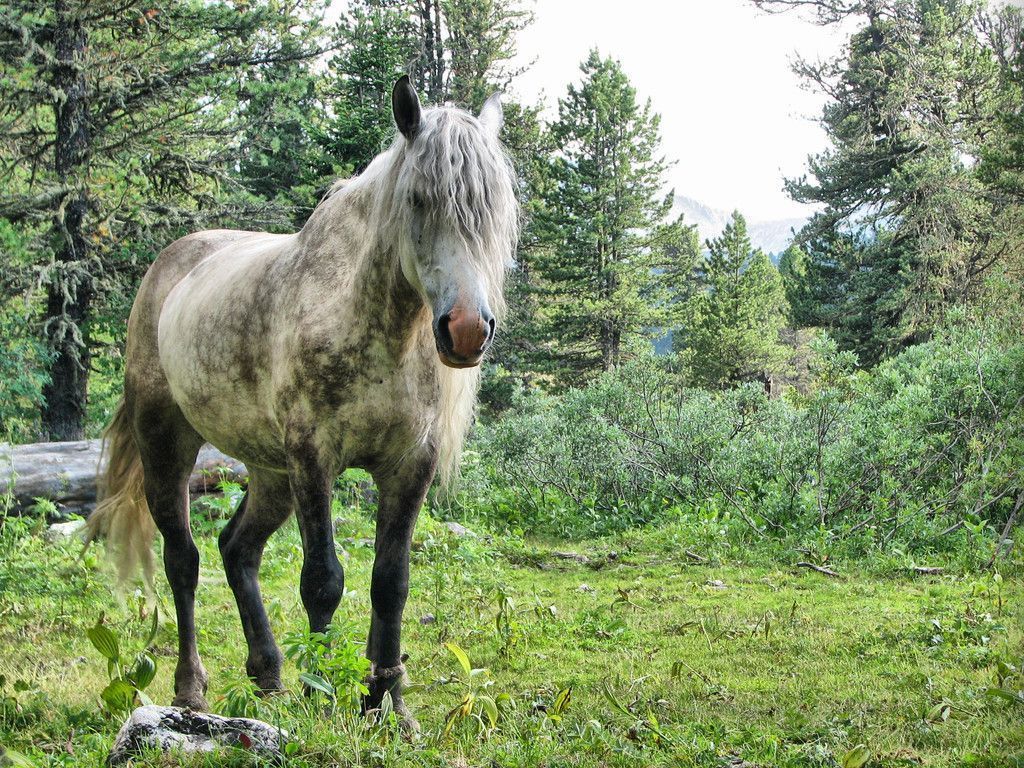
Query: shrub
929	442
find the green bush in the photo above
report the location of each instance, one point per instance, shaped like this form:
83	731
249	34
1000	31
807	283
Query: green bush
923	452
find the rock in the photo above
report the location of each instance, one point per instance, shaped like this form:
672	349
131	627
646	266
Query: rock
428	618
73	529
586	588
168	728
457	529
716	584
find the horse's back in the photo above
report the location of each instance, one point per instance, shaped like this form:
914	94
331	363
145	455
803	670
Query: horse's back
143	374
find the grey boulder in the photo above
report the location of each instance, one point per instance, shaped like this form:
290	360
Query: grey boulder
173	728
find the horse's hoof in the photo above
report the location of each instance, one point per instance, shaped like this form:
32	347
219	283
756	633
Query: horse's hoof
410	725
193	701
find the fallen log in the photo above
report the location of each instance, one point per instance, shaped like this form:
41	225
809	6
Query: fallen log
820	569
65	473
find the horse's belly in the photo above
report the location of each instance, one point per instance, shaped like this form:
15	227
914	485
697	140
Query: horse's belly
216	363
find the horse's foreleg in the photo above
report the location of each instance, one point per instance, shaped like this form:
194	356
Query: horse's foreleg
267	504
322	581
401	496
168	447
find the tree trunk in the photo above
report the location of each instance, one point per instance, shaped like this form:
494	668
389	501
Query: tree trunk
439	89
432	73
69	293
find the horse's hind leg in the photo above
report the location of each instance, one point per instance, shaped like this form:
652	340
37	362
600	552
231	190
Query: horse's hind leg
267	504
168	446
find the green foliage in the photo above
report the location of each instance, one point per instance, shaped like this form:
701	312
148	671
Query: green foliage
481	42
120	132
24	357
479	710
732	326
128	677
282	111
609	246
241	698
216	509
692	643
376	43
903	457
912	218
332	663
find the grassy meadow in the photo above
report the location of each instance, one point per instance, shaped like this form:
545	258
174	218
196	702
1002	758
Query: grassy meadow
626	650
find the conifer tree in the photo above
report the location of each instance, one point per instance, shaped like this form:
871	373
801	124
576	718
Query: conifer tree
377	44
117	132
605	222
732	326
913	102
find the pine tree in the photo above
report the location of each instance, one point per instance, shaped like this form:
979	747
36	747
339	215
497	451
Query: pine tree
604	220
732	326
456	51
481	41
912	104
377	43
118	130
282	117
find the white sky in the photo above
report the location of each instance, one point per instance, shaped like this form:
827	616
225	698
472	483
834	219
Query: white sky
734	116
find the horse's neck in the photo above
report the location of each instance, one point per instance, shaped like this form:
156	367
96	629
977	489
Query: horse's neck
340	239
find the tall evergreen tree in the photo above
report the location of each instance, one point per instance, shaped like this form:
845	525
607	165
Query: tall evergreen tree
481	43
117	129
912	102
732	326
377	43
282	116
604	220
455	50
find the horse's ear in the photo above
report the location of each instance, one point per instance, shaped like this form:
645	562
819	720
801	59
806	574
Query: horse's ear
406	106
492	116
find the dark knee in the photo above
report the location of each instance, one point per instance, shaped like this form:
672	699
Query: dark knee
321	588
181	563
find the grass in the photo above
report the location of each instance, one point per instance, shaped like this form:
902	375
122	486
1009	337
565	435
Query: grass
667	661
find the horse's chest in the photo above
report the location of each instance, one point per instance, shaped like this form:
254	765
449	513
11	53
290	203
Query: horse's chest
363	406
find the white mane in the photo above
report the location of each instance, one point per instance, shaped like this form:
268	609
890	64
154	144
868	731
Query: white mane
461	173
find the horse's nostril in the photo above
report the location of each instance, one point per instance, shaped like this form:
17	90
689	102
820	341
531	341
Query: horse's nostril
490	329
444	335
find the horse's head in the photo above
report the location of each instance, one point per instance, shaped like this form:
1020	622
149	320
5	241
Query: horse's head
457	203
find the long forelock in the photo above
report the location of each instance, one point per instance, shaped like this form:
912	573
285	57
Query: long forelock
465	180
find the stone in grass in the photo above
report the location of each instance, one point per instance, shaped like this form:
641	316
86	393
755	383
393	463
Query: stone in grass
72	529
167	728
458	530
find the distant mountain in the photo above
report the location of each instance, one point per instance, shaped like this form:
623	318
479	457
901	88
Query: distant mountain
772	236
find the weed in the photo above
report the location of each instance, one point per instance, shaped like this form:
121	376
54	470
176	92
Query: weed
128	679
478	711
332	663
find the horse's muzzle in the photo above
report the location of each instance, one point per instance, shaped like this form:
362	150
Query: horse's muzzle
462	335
